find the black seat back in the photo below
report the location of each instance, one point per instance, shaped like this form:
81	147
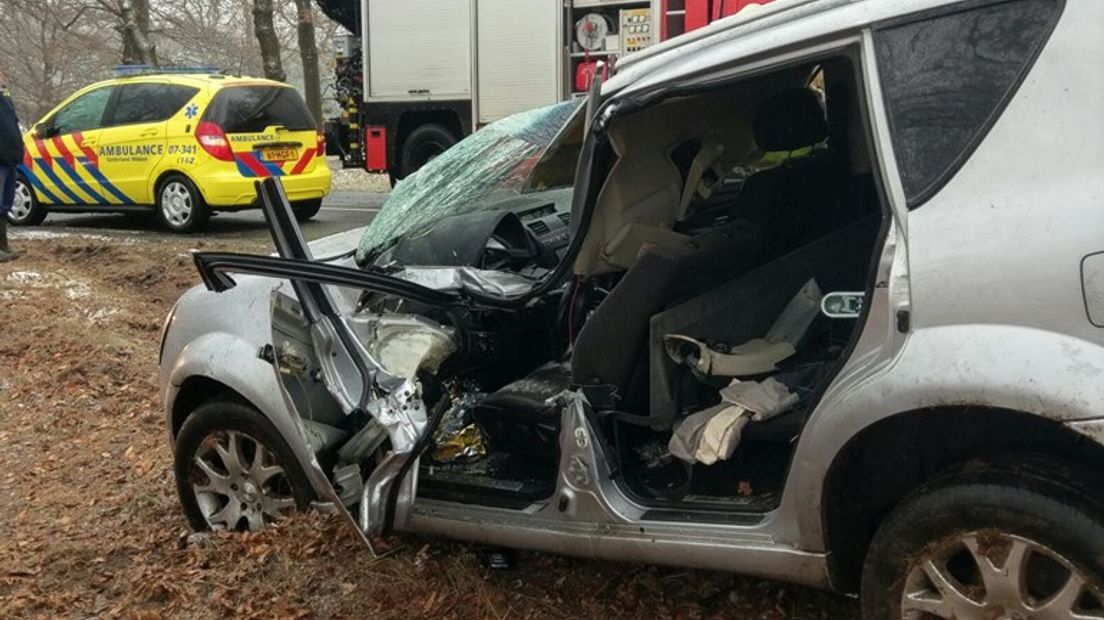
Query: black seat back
799	199
612	346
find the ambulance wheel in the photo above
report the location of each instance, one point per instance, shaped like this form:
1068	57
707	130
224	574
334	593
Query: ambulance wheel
180	206
26	210
422	146
306	209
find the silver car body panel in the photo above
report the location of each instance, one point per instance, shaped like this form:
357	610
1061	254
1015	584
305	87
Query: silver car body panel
1015	337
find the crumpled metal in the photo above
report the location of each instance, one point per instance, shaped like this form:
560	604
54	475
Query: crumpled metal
486	281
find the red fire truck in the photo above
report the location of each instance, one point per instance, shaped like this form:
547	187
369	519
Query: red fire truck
413	77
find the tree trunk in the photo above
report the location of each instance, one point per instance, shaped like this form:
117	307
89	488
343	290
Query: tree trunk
308	52
137	47
266	37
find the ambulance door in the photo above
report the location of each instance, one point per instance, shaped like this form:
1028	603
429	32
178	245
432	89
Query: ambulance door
62	152
133	141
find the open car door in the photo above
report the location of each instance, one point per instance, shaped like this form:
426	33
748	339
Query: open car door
358	383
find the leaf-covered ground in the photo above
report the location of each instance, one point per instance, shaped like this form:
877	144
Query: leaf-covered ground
89	522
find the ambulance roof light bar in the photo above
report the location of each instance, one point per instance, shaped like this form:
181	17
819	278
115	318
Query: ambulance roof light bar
128	70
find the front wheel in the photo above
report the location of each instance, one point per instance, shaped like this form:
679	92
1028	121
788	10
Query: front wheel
180	206
25	210
234	471
989	542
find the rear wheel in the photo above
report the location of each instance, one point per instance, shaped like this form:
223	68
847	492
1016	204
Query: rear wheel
423	145
180	206
306	209
234	471
26	210
989	542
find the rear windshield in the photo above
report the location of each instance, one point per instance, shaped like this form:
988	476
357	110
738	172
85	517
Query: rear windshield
250	109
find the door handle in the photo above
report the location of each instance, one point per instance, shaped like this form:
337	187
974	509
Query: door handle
149	133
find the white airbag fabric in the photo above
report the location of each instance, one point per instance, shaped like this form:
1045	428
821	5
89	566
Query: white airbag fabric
712	435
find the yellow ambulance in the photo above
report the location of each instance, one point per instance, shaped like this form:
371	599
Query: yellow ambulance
181	145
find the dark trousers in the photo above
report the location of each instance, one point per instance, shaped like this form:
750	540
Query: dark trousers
7	188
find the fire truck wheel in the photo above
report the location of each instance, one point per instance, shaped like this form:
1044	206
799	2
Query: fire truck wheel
422	145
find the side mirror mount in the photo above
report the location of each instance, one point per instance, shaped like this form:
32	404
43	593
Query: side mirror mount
45	129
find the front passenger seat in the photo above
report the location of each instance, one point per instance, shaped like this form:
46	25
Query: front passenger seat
798	200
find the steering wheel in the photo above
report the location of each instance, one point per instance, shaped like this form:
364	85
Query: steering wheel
508	251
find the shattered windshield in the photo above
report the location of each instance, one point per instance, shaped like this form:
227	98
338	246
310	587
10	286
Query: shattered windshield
494	162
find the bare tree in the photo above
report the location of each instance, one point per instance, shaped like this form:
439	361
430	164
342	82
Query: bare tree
60	46
133	17
214	33
267	38
308	53
56	47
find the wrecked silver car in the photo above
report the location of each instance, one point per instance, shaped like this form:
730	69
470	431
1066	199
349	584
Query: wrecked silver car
767	302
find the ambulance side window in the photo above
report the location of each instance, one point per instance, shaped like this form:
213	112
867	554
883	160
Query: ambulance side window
83	113
148	103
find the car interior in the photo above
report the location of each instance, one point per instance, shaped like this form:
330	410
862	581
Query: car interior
725	218
720	208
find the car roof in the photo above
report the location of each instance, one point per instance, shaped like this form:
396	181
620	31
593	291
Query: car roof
757	29
212	80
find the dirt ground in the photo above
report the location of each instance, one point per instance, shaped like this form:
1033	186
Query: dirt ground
89	521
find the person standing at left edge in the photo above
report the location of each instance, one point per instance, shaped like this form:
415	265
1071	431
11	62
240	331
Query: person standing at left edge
11	155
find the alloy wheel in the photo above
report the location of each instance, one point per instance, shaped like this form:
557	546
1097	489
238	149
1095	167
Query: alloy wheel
991	575
176	203
239	483
23	203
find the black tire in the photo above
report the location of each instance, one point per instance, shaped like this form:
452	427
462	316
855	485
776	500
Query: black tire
1030	500
218	417
306	209
32	212
190	214
422	145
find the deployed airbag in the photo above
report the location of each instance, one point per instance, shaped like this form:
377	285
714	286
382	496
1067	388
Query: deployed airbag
713	434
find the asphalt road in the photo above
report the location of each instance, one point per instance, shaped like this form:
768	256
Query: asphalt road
342	210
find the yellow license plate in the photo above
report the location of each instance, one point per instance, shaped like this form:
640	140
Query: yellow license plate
279	154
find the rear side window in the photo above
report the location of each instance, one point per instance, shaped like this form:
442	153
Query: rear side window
250	109
946	78
149	103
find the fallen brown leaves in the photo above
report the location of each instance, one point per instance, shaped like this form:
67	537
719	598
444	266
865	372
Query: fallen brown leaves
89	522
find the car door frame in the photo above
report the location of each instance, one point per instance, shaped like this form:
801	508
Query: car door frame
54	186
115	187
